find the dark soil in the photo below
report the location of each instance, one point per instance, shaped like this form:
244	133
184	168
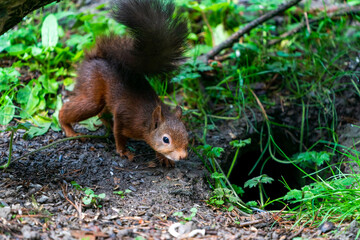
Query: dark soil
39	201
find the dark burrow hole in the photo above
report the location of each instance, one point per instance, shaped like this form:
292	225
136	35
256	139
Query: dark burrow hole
280	172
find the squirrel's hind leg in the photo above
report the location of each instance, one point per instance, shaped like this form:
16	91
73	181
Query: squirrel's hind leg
79	108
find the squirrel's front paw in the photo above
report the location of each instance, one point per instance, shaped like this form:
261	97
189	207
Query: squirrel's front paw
125	153
165	161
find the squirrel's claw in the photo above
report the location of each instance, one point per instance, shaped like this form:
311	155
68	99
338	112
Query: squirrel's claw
165	161
129	155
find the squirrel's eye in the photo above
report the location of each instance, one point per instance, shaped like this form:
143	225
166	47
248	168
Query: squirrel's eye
166	140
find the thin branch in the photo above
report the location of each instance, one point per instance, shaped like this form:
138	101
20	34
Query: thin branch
234	37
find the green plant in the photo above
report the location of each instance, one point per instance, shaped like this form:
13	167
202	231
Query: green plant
90	197
122	193
48	62
223	190
237	144
186	218
13	129
259	181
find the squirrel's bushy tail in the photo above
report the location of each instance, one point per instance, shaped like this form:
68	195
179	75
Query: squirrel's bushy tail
158	37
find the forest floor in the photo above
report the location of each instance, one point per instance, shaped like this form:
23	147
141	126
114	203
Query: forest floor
39	201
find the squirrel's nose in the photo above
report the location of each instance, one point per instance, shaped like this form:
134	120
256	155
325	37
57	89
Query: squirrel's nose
183	155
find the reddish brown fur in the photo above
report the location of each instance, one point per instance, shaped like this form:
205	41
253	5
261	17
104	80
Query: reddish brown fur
101	88
112	79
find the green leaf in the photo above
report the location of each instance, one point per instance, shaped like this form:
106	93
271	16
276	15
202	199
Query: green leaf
257	180
76	185
35	51
89	191
8	77
42	126
102	195
92	124
7	111
238	189
32	99
16	49
217	175
49	31
119	192
220	34
49	84
4	41
24	126
294	194
252	204
178	214
240	143
87	200
193	210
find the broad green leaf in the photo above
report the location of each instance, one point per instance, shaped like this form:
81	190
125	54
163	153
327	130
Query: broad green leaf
89	191
15	49
49	84
35	51
32	100
8	77
4	41
42	125
23	94
7	111
220	34
49	31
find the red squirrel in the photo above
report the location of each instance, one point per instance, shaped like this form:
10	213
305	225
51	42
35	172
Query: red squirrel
112	79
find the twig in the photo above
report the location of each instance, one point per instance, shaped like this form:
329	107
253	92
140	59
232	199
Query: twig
245	224
234	37
260	104
297	233
351	10
76	206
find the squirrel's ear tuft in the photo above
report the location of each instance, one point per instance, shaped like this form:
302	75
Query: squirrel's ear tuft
178	112
157	117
